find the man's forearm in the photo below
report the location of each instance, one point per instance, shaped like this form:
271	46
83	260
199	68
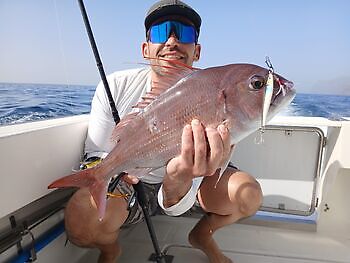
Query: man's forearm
174	190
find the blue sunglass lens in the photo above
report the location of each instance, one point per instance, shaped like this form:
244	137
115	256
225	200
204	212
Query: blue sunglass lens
160	33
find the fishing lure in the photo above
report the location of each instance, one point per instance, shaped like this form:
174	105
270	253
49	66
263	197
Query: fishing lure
267	101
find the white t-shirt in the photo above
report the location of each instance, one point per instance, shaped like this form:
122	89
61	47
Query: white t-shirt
127	87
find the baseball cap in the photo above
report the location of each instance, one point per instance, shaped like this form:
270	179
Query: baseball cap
172	7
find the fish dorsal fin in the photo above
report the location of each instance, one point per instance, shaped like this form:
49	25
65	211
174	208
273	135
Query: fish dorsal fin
147	99
125	121
171	74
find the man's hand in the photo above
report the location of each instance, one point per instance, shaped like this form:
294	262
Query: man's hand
202	153
131	179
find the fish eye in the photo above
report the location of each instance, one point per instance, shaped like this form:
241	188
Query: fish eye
256	82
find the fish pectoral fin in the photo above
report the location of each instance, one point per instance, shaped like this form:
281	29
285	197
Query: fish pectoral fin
224	165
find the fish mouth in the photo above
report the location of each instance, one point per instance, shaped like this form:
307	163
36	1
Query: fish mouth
288	86
284	95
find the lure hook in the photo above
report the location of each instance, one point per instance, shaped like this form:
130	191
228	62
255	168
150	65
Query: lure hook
269	64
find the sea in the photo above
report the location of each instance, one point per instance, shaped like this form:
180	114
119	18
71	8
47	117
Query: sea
21	103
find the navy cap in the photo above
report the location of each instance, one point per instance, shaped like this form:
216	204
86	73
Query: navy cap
172	7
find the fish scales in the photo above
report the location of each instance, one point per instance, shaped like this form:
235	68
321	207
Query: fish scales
231	94
158	134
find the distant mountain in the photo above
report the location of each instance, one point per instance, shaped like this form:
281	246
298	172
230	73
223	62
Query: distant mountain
339	86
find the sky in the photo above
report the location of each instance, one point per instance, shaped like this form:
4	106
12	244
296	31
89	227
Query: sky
308	42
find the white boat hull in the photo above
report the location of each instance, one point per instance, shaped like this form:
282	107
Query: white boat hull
34	154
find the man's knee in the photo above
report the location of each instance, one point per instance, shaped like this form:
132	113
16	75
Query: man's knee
78	210
81	220
247	192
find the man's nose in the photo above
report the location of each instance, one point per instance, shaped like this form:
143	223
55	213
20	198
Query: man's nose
172	40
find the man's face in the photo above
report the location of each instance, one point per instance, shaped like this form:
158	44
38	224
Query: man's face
171	49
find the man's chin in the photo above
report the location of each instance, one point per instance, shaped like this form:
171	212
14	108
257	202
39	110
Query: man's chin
171	61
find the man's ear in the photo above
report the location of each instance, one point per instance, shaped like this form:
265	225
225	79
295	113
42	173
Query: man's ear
145	50
197	52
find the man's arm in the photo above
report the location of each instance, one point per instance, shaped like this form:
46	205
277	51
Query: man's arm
202	153
101	125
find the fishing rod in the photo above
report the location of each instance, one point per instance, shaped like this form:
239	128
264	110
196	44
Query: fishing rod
158	256
99	62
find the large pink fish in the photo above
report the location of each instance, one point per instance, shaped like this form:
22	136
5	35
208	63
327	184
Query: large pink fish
147	140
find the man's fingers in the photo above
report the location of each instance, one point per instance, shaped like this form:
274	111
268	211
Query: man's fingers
187	146
183	162
131	179
200	148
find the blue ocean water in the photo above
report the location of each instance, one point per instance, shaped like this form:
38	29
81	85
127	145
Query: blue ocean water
30	102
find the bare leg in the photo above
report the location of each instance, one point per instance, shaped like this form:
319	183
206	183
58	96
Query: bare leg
201	237
85	230
109	253
237	195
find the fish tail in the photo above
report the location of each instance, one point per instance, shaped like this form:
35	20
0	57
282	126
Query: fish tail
80	179
87	178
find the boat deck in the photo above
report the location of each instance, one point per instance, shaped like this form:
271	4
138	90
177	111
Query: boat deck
240	242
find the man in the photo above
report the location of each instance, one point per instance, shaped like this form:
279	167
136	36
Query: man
172	31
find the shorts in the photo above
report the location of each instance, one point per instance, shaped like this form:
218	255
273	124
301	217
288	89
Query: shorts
135	212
